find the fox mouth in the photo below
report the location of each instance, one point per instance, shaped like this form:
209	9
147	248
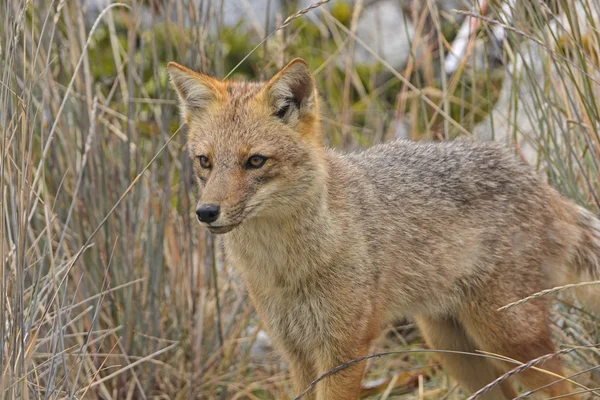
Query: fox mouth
221	229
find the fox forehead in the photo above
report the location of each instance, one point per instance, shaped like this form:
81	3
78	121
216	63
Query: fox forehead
237	125
225	116
237	139
232	111
238	99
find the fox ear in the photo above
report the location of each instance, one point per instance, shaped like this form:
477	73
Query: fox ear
196	91
291	92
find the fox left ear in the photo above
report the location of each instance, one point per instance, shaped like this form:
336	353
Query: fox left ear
291	92
196	91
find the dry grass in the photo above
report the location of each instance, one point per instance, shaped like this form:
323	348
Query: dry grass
109	290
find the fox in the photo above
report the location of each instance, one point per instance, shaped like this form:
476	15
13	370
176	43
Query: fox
332	246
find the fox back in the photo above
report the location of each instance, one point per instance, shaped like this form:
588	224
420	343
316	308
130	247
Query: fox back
331	246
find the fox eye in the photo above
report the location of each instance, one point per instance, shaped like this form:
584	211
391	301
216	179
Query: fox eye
256	161
204	162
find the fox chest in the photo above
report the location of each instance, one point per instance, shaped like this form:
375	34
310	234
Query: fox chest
296	323
286	293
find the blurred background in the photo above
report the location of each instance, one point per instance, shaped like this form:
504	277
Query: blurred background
110	290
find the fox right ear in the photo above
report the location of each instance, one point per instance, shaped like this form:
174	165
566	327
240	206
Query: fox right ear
291	92
196	91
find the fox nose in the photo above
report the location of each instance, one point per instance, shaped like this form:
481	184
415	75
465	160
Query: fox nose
207	213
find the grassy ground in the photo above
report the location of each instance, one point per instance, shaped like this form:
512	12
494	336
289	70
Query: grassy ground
109	289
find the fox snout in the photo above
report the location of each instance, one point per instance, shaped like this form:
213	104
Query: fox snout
215	218
209	213
223	200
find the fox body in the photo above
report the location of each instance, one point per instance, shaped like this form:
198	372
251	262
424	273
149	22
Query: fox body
332	246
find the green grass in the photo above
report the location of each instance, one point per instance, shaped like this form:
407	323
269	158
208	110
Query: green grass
110	290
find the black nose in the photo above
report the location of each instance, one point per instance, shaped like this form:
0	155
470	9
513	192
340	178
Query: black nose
207	213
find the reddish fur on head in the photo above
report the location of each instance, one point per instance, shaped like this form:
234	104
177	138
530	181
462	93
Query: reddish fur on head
231	121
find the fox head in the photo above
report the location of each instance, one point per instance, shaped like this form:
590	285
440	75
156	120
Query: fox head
256	147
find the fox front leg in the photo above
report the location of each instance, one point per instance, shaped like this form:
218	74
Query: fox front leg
346	383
